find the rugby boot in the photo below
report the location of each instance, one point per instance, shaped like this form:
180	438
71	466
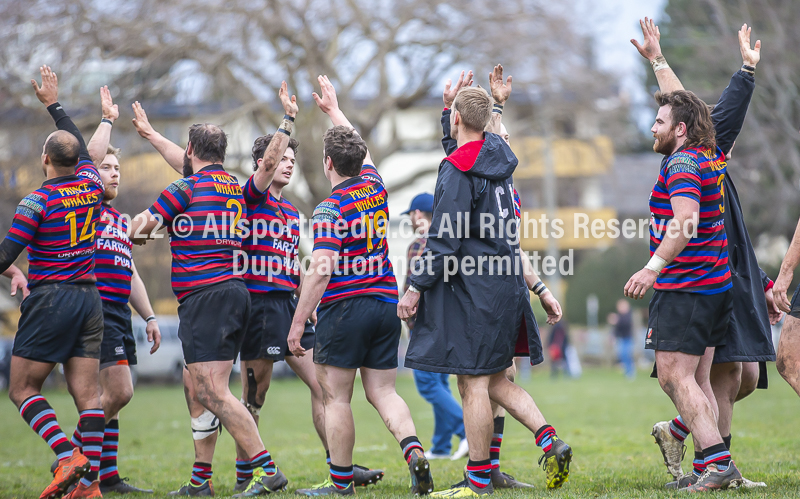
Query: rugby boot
555	463
327	488
671	448
714	479
83	492
122	487
241	486
262	483
464	489
420	468
364	476
187	489
682	482
68	471
501	480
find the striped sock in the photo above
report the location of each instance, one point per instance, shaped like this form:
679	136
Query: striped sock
201	473
263	460
42	419
76	438
544	437
479	473
328	457
243	471
341	476
408	445
92	424
678	429
699	463
718	455
497	441
108	459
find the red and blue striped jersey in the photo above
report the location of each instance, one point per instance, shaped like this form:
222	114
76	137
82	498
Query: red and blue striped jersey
272	246
57	223
353	221
702	266
113	263
202	213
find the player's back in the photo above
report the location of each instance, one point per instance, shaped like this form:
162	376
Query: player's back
57	223
354	221
202	212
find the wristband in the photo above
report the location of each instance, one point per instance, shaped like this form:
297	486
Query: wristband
656	264
497	108
659	63
413	289
106	120
751	70
769	286
286	127
287	117
150	319
538	288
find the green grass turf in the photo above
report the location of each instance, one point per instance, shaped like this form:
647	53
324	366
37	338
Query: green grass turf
605	418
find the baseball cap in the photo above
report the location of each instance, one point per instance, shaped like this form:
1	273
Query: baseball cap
421	202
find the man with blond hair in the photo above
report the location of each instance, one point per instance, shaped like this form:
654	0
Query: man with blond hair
468	290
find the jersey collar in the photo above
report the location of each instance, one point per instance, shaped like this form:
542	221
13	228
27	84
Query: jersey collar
347	183
59	180
212	168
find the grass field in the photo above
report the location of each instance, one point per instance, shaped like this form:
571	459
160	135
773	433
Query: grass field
605	418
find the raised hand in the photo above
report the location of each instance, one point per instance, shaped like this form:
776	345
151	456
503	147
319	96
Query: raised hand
110	110
48	92
650	48
449	94
289	103
750	56
140	121
328	103
500	89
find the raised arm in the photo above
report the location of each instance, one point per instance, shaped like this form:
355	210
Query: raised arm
48	95
650	49
449	96
98	144
170	151
729	113
501	90
329	104
262	178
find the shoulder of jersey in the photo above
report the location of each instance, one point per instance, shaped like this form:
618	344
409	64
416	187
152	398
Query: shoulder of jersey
182	184
326	211
683	162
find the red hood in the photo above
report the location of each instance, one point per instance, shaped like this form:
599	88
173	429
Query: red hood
464	157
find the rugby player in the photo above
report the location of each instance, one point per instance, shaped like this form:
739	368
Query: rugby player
502	480
352	279
272	242
203	213
118	283
459	329
62	318
739	366
691	307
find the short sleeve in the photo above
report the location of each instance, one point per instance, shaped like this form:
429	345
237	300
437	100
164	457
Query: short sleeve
30	212
87	170
252	196
682	177
174	200
324	221
369	172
